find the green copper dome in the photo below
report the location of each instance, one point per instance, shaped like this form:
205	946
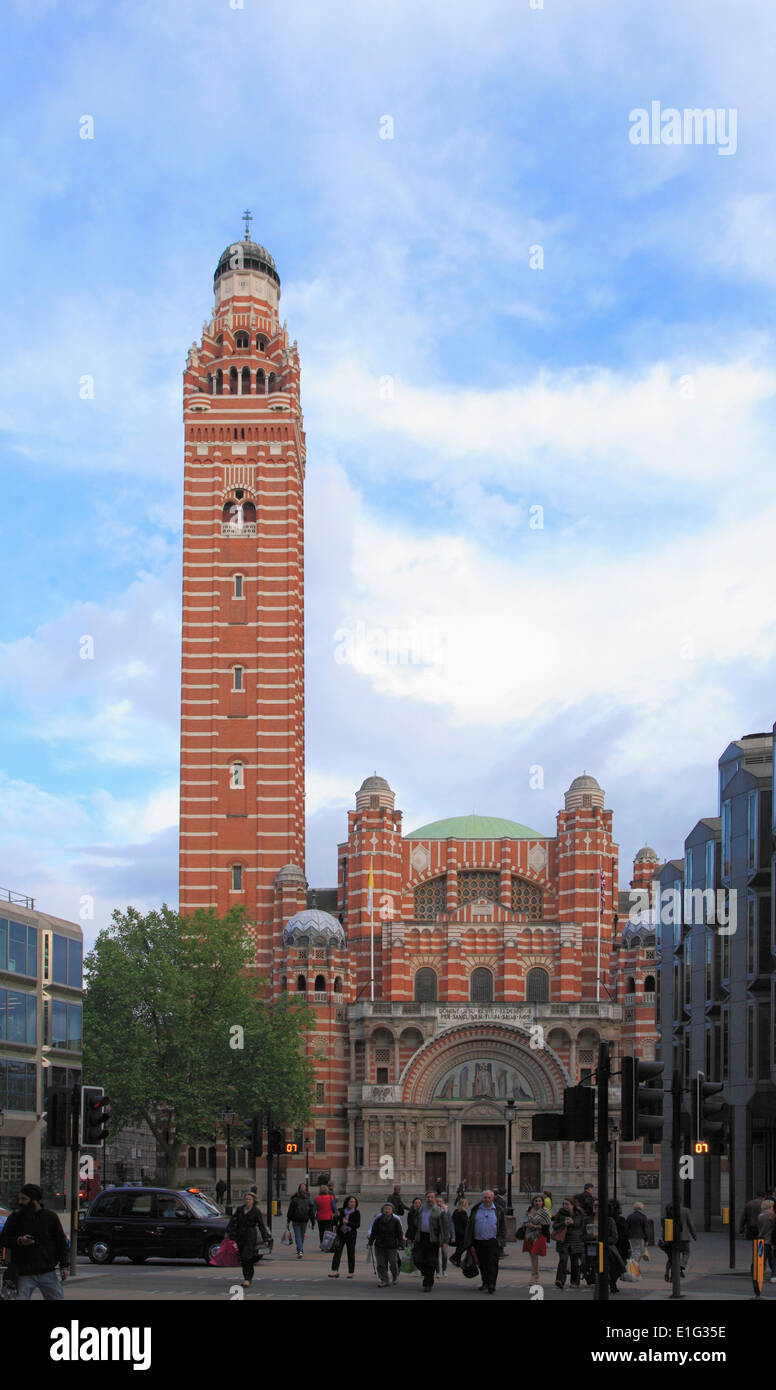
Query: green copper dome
475	828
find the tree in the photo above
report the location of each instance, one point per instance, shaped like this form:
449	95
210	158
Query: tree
178	1028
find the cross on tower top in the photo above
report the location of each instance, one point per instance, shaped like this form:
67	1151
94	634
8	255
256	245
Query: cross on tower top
248	216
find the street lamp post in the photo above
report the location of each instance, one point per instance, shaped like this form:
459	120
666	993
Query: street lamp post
307	1164
615	1136
510	1113
228	1118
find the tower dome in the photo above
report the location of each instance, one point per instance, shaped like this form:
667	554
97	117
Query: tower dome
246	255
646	853
373	793
315	927
583	793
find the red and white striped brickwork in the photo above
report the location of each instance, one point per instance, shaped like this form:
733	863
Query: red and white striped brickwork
242	672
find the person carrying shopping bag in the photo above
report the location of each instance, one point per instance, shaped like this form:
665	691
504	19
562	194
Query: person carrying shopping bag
246	1228
536	1229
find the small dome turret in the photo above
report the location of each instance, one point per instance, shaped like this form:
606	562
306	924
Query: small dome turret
373	793
583	793
315	927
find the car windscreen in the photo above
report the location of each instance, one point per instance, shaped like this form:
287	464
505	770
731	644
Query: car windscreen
201	1206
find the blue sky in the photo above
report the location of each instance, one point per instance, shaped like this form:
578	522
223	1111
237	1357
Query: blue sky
625	388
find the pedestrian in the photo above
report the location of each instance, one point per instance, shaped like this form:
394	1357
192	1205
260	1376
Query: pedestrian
547	1198
412	1219
440	1187
586	1198
220	1191
325	1211
536	1228
486	1234
429	1234
38	1246
567	1228
498	1198
637	1230
396	1201
623	1244
330	1190
591	1236
387	1239
346	1225
460	1221
749	1218
448	1237
461	1189
687	1226
300	1211
246	1228
765	1225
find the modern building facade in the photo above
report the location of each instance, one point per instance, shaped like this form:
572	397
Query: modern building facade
717	946
40	1036
456	968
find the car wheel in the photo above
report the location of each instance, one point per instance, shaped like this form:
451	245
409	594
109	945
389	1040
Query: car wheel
138	1259
100	1252
210	1250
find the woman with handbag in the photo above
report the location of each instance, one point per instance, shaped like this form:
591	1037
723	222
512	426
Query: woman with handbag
246	1228
345	1236
567	1226
536	1228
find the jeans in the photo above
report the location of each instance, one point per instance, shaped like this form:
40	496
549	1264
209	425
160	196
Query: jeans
347	1243
300	1228
49	1284
564	1256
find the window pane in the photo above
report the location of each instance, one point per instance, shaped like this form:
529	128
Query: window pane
58	1023
3	943
32	1019
74	1025
74	964
32	950
17	947
60	959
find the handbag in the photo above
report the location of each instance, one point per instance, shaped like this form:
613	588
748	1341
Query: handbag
520	1233
227	1255
327	1242
287	1238
559	1234
470	1265
408	1265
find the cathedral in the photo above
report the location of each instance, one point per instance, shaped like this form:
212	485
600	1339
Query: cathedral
462	973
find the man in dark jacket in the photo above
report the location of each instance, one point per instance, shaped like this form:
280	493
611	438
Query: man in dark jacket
486	1230
387	1238
586	1199
570	1218
429	1235
37	1244
751	1213
396	1201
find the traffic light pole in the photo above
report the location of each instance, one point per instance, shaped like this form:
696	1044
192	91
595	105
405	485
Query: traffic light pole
269	1173
75	1172
732	1189
676	1203
602	1281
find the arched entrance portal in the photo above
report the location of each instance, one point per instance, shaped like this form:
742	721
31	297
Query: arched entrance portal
463	1081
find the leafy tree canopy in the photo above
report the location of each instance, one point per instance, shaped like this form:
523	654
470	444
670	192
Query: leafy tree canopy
178	1027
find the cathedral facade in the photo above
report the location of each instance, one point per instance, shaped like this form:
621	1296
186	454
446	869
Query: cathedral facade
462	974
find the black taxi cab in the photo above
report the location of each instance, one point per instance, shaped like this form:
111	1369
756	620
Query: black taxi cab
143	1222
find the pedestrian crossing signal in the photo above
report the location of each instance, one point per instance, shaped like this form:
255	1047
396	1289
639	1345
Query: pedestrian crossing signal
292	1148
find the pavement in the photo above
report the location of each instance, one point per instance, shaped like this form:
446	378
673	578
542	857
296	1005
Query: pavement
282	1276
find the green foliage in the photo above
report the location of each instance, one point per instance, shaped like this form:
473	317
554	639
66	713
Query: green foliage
165	999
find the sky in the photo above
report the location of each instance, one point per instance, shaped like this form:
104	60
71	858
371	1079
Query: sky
538	376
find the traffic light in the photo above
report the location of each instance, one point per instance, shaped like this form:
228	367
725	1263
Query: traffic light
55	1116
95	1115
642	1103
709	1115
253	1136
579	1113
276	1141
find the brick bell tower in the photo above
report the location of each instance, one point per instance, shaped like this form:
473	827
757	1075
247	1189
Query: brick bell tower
242	673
